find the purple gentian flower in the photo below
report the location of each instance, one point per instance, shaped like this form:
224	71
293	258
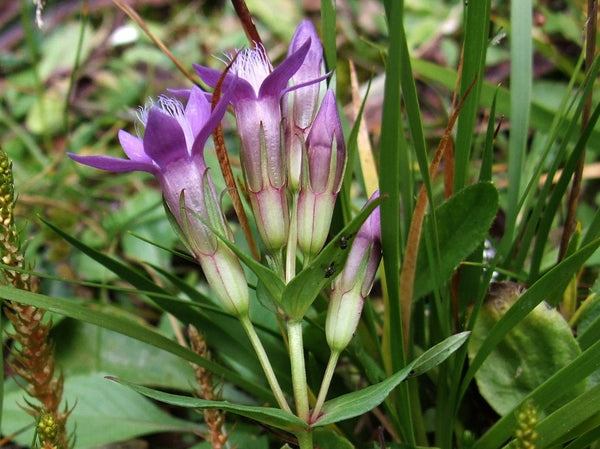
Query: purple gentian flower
354	283
322	177
172	149
256	101
299	106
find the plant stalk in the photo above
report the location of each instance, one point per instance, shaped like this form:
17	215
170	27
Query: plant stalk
265	362
298	369
290	262
331	364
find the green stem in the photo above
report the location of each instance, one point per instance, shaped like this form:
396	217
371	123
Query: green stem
305	440
298	369
333	358
265	363
290	262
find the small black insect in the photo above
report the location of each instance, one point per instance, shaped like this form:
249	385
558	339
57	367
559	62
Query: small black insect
343	242
330	270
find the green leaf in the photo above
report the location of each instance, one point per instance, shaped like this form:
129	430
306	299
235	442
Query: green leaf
438	353
81	348
554	429
103	413
359	402
543	396
534	349
548	286
301	291
462	224
132	329
325	438
273	417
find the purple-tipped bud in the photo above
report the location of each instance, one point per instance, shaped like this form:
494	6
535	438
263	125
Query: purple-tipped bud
172	149
300	105
354	283
321	178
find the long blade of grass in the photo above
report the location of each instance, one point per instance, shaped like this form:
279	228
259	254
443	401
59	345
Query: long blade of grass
474	52
391	151
132	329
541	117
520	100
558	193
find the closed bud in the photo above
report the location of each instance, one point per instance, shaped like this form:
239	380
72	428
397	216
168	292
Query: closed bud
300	104
322	177
354	283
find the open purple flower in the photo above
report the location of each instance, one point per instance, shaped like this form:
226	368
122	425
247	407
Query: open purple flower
354	283
256	101
322	177
172	149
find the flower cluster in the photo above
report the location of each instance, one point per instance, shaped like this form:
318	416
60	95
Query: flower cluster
293	159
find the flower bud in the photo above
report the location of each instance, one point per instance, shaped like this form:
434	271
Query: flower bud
300	105
354	283
322	177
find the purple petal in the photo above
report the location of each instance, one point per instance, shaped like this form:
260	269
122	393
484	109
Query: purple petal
275	84
164	140
114	164
133	147
197	110
243	89
213	120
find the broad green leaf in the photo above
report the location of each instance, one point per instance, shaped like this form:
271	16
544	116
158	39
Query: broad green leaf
103	413
548	286
535	348
543	396
462	224
301	291
273	417
325	438
82	348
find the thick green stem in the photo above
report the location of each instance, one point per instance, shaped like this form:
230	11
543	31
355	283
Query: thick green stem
305	439
298	369
333	358
265	363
